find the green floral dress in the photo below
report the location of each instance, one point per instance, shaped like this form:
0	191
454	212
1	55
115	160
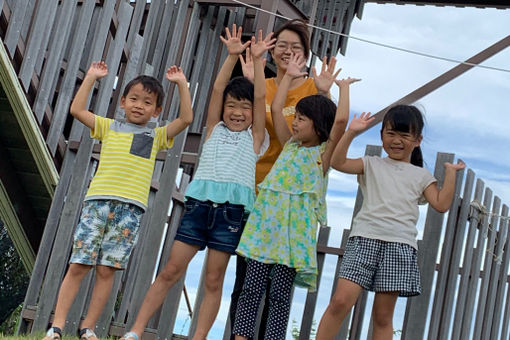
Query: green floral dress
282	228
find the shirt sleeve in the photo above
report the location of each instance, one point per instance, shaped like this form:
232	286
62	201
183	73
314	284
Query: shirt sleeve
162	141
427	179
101	127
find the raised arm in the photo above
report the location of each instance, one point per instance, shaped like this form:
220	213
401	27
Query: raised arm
175	75
259	48
235	47
296	64
247	65
442	199
97	70
341	119
339	160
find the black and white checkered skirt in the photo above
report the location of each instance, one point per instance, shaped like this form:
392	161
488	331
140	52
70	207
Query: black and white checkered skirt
381	266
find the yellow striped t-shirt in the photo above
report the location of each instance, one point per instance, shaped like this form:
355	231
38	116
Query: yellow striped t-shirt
126	162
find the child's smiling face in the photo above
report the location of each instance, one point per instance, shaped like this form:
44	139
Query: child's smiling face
399	145
237	113
140	105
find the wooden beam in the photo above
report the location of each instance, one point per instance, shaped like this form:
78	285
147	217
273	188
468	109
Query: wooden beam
436	83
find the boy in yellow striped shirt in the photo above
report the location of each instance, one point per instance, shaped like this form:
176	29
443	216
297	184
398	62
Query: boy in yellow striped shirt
118	193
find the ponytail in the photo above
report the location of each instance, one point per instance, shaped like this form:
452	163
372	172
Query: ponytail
417	157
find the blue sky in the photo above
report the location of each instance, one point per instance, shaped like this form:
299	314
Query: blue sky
469	116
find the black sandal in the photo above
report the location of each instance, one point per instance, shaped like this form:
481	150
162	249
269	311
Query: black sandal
87	334
54	333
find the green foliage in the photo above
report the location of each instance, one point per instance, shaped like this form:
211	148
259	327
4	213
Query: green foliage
295	330
13	277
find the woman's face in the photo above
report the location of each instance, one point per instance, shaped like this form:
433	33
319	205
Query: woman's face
288	42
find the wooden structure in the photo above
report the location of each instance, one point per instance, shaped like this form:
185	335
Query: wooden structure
39	76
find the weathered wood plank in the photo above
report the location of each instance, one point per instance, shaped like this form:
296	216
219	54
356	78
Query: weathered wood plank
66	91
36	46
51	68
483	297
456	251
503	242
474	220
15	24
467	321
311	297
441	286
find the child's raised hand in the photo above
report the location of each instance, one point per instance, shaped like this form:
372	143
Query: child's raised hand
260	46
459	166
175	74
233	42
346	81
97	69
325	79
360	123
295	65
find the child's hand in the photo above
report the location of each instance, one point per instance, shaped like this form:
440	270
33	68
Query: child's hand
259	47
325	79
175	74
459	166
233	42
346	81
296	64
97	70
361	123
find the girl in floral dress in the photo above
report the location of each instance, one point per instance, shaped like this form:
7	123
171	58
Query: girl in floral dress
279	238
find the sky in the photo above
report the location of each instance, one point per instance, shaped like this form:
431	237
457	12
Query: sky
468	116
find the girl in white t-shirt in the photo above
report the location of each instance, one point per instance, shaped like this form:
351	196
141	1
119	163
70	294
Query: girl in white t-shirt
381	252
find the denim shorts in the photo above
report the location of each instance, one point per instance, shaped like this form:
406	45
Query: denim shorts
216	225
106	233
381	266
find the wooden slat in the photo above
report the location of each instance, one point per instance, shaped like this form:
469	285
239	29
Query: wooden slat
456	252
66	91
503	274
51	70
344	328
441	286
474	219
311	297
15	23
483	296
467	320
416	307
164	34
44	15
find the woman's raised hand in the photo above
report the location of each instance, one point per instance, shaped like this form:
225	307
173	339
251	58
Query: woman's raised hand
233	40
325	79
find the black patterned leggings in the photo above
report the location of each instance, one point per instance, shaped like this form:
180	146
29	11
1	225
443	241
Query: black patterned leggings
254	286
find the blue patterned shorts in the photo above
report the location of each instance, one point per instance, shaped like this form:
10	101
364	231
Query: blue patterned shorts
106	233
381	266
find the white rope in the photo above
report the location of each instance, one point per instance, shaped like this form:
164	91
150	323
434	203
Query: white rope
427	55
475	204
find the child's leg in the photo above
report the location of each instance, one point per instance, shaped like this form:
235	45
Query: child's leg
257	274
180	256
279	302
68	290
217	262
102	289
346	294
382	314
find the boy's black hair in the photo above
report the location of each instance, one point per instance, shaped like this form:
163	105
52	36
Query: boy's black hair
239	88
321	110
406	118
150	84
299	27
